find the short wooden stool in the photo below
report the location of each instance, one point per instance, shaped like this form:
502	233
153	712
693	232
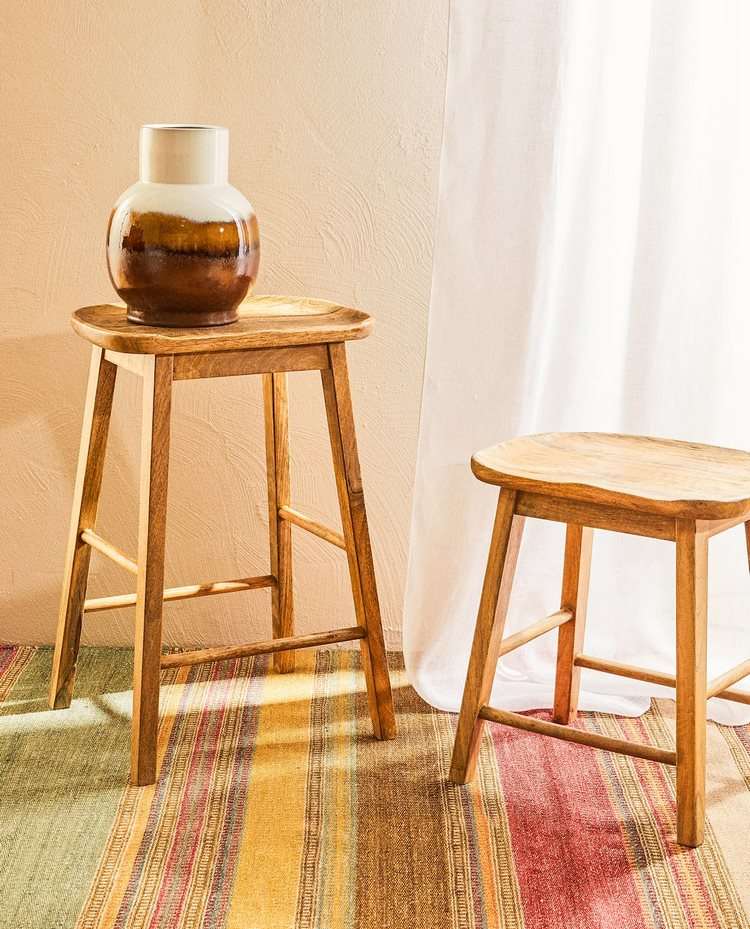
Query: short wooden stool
662	489
273	335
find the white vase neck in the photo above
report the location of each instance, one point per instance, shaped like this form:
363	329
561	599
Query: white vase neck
184	154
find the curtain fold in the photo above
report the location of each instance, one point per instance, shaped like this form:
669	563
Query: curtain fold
590	274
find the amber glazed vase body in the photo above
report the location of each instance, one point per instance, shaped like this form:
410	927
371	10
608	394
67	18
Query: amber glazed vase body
183	245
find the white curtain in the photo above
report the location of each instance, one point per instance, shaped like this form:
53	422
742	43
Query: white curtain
591	273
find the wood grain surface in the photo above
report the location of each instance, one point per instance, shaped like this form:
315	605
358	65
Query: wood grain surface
152	524
88	483
266	321
488	634
664	476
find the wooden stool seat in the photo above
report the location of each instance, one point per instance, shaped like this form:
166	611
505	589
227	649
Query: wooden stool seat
639	472
264	322
680	492
273	335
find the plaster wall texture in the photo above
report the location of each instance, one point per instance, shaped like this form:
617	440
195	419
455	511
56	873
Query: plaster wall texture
335	112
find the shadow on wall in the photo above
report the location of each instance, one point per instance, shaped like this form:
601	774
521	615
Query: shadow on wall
43	392
36	372
41	408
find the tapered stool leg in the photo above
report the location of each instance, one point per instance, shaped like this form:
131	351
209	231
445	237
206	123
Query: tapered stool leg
88	484
357	537
575	592
157	400
692	569
488	634
279	494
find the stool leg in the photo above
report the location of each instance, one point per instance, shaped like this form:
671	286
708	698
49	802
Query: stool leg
692	569
157	400
279	494
359	553
488	634
574	597
88	484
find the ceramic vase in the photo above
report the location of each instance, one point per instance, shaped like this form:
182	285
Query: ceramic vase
183	245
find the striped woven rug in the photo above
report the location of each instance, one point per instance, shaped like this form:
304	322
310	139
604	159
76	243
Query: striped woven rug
275	809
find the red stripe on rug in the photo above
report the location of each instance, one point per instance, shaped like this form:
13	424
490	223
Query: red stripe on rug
190	820
7	654
573	866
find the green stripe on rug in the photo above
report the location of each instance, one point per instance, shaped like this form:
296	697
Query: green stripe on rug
63	773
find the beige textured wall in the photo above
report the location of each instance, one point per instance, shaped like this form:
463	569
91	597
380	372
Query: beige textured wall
335	112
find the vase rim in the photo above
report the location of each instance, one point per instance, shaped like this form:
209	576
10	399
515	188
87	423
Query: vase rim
191	126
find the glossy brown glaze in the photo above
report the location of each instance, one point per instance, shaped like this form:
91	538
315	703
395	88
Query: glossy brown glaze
173	271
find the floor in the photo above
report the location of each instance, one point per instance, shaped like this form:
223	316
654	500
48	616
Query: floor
275	809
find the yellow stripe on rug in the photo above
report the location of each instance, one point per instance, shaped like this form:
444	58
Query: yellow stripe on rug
502	895
326	888
267	873
341	846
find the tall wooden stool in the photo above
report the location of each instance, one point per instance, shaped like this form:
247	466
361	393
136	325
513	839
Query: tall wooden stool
658	488
273	335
